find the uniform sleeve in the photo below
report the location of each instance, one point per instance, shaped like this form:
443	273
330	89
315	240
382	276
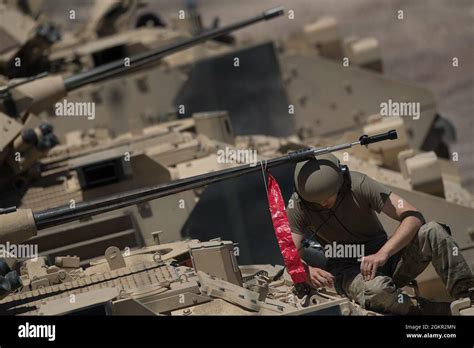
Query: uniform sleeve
374	192
295	216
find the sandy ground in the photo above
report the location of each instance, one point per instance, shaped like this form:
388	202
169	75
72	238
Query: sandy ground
418	48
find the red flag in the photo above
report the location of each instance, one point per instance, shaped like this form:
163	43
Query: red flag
282	229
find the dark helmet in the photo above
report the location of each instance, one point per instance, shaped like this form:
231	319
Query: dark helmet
319	178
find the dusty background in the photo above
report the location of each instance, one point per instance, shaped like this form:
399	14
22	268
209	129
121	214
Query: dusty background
418	48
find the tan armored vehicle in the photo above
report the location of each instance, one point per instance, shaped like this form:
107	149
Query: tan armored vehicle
33	44
183	278
115	29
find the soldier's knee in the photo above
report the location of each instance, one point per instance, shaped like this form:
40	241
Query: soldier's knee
378	293
380	286
432	230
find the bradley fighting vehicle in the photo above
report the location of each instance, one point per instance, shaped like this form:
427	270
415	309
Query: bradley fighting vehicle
22	100
36	45
184	278
190	278
32	44
101	268
133	103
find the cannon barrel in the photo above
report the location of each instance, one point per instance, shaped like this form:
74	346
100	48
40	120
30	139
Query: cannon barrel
139	60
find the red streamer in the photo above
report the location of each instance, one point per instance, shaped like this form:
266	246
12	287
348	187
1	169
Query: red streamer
292	259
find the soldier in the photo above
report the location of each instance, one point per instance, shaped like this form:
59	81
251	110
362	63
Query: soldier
338	206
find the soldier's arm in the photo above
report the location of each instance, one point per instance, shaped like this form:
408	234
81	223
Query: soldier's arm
410	222
298	240
316	277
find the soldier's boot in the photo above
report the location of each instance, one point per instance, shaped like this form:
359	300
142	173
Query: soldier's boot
434	244
427	307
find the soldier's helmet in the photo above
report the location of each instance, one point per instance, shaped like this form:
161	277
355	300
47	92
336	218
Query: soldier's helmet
319	178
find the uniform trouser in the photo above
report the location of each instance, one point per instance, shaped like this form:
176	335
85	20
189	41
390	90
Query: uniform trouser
383	294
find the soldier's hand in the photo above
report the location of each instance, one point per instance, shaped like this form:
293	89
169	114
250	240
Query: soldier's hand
370	264
318	278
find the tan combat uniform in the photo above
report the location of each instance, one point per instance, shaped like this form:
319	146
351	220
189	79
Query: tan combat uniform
353	220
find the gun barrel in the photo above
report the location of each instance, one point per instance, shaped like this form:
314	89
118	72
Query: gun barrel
60	215
117	67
